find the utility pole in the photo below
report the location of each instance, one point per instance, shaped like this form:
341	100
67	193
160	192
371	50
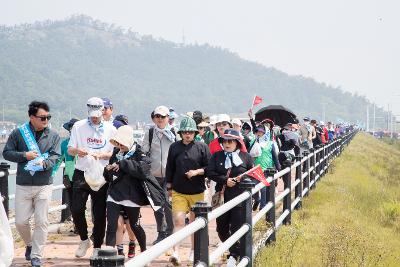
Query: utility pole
373	123
367	118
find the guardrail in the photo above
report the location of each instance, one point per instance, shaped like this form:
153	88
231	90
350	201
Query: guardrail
309	168
5	172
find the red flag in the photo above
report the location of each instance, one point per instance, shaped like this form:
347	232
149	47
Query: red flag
257	100
257	173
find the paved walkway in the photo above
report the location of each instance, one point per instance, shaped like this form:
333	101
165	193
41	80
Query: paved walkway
60	248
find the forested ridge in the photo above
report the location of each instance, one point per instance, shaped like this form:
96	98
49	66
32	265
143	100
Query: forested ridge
66	62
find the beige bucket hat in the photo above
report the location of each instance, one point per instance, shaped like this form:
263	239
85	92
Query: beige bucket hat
124	136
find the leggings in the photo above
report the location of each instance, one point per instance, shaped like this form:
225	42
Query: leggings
113	212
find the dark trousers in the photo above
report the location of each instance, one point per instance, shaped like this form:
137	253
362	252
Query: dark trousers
79	198
66	199
165	223
133	213
227	224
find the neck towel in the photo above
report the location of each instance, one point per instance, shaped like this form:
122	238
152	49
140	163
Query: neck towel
166	132
98	128
232	157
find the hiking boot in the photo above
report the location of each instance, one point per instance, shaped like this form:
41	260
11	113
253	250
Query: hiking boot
160	237
28	251
36	262
231	262
174	259
131	250
83	248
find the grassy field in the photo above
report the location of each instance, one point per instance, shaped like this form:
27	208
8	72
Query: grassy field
353	216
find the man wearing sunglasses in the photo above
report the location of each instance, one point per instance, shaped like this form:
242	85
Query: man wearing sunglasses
156	143
90	137
36	149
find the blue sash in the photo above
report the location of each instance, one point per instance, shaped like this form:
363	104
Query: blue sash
33	165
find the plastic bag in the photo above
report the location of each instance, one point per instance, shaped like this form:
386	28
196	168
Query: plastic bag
6	239
255	150
94	173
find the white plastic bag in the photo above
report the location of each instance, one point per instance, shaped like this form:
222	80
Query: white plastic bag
255	150
94	173
6	239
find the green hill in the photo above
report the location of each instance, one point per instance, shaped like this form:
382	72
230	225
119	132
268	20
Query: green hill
66	62
353	216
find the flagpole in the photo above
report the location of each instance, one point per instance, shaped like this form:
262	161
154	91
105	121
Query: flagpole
252	103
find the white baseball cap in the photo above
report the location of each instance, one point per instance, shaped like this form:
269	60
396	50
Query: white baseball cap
161	110
237	122
95	107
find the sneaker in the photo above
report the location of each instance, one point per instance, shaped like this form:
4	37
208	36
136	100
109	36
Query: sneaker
174	259
191	256
82	249
36	262
95	252
231	262
131	250
161	236
28	251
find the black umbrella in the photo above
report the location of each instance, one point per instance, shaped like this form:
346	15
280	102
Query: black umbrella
279	114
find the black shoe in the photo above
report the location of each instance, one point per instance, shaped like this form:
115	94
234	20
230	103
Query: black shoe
28	251
36	262
161	236
255	204
121	252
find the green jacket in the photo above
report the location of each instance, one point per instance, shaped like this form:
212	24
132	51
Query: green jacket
69	161
266	159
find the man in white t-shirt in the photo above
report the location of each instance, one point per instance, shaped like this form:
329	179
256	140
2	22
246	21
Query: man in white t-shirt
90	137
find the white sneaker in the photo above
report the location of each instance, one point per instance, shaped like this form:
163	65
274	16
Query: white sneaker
231	262
95	252
174	259
82	249
191	256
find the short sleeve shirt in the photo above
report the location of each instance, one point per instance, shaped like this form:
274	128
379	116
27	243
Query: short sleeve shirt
83	136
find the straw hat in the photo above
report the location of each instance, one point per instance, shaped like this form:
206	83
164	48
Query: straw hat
124	137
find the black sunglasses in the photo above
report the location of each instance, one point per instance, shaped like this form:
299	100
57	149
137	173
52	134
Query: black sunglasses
201	128
43	118
159	116
187	132
94	106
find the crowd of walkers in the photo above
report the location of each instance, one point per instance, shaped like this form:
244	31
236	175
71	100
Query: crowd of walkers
175	166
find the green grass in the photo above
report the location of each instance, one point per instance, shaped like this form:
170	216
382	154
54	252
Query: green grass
353	216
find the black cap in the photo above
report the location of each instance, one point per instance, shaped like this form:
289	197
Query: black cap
68	125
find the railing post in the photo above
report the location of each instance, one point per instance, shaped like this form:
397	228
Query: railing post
298	192
246	241
312	165
323	160
201	241
107	258
4	168
271	216
287	200
317	157
307	170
